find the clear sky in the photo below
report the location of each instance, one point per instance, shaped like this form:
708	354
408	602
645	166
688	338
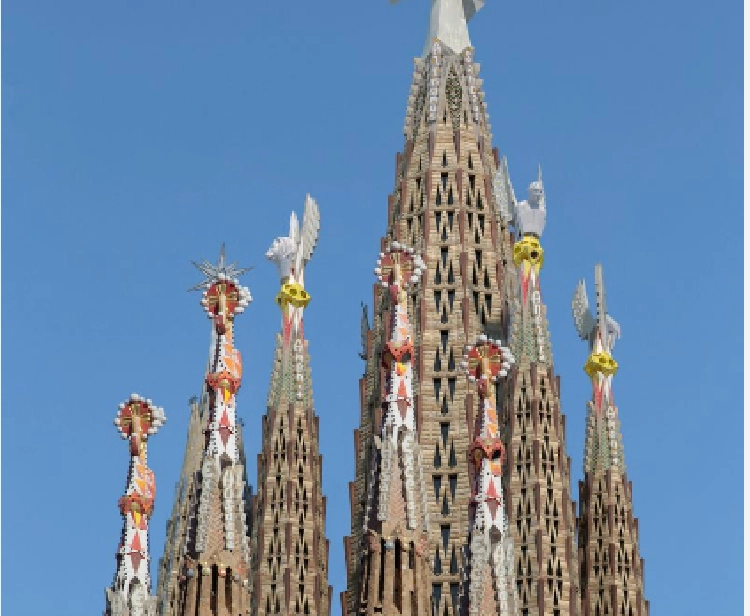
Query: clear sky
138	136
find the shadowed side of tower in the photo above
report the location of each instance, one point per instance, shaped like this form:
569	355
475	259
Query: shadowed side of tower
612	570
290	549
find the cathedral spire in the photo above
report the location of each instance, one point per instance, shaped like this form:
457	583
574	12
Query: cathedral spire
290	550
538	466
491	588
395	563
130	593
612	572
603	448
206	558
442	206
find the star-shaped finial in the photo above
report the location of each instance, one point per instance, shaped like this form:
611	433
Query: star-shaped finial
220	271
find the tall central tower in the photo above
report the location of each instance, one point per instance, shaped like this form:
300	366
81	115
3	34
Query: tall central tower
453	204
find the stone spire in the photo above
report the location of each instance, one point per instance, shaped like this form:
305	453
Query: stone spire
207	574
290	550
538	466
130	593
172	562
443	206
612	571
394	564
491	580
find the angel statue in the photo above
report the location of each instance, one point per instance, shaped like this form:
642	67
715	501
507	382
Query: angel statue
291	254
601	331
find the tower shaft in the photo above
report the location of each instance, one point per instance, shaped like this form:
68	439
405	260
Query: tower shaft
290	549
539	501
612	571
130	593
205	565
394	564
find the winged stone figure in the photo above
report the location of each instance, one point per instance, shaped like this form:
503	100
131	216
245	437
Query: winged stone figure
292	253
585	322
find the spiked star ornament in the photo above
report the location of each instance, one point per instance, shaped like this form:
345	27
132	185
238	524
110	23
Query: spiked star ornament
219	272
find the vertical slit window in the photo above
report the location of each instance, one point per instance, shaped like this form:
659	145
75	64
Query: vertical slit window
437	480
444	339
452	387
444	428
445	534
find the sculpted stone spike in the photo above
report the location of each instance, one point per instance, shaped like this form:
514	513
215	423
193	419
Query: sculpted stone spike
605	486
137	420
396	518
290	551
206	558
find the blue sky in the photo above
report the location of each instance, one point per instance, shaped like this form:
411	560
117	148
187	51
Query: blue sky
139	136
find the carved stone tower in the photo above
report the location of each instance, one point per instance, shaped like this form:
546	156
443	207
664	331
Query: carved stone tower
538	468
394	564
290	550
205	567
454	205
612	576
130	593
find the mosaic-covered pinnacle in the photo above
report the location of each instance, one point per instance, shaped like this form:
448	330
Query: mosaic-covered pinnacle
448	19
399	268
487	357
137	419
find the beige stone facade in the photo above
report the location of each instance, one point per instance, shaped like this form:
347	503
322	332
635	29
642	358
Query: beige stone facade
289	572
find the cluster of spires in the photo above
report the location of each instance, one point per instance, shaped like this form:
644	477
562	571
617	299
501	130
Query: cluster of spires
232	553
